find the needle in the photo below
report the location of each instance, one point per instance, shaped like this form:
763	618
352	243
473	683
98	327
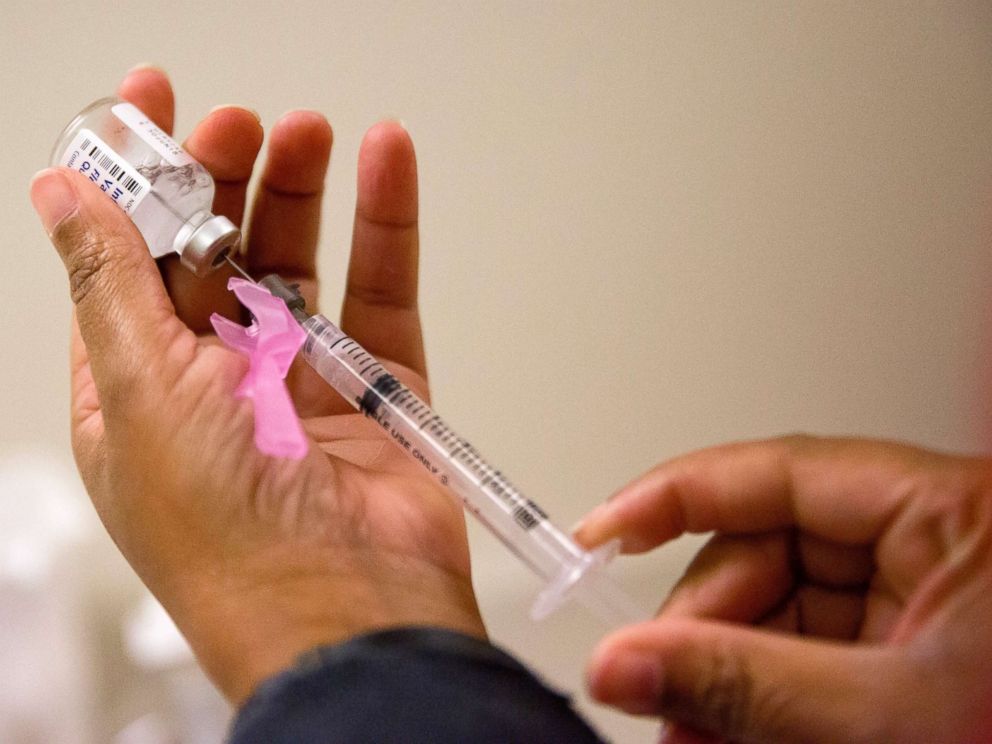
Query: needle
238	268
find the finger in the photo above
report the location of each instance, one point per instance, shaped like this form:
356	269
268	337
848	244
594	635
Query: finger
380	303
805	609
748	578
738	579
840	490
149	89
833	564
822	612
226	143
750	685
285	220
285	227
125	317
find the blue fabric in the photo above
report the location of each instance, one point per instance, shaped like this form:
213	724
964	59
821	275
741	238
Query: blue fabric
408	685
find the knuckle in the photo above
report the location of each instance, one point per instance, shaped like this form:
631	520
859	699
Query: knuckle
797	441
728	700
88	259
966	534
381	296
724	693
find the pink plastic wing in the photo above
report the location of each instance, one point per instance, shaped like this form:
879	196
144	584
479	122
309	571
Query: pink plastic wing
271	344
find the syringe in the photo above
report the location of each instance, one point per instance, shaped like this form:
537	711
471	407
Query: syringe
568	570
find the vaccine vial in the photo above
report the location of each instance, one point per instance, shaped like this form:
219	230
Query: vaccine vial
166	193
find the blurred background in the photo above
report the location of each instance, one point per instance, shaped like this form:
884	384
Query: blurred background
646	227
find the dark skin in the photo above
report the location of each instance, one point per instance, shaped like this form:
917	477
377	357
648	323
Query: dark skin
257	559
845	595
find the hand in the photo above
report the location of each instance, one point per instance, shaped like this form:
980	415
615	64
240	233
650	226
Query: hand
864	567
256	559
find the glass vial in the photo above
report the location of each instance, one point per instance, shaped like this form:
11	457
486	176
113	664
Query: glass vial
165	192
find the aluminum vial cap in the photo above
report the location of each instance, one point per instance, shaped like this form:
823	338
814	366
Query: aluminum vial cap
210	242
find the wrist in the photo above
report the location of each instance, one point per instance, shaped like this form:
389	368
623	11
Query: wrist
250	629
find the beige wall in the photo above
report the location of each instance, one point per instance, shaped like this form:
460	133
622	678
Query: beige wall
647	227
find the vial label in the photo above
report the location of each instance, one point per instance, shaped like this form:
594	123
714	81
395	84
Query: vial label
96	160
154	137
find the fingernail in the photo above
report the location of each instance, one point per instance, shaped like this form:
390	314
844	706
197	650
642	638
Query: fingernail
592	517
147	66
251	111
631	680
53	197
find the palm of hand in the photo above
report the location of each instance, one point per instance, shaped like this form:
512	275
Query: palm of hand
354	487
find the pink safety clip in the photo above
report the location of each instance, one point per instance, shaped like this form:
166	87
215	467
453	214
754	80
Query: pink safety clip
270	343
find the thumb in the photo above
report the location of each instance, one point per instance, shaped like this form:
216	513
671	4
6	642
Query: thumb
125	315
750	685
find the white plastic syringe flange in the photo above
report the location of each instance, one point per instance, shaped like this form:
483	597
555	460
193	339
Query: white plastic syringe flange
563	587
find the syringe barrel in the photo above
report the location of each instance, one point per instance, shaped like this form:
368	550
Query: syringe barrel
414	427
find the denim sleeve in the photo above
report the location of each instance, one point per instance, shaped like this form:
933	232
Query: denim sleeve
408	685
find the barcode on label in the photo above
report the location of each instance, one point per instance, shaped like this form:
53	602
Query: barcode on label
112	167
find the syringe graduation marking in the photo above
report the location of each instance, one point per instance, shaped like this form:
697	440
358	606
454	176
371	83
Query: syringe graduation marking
381	389
387	388
384	387
484	491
